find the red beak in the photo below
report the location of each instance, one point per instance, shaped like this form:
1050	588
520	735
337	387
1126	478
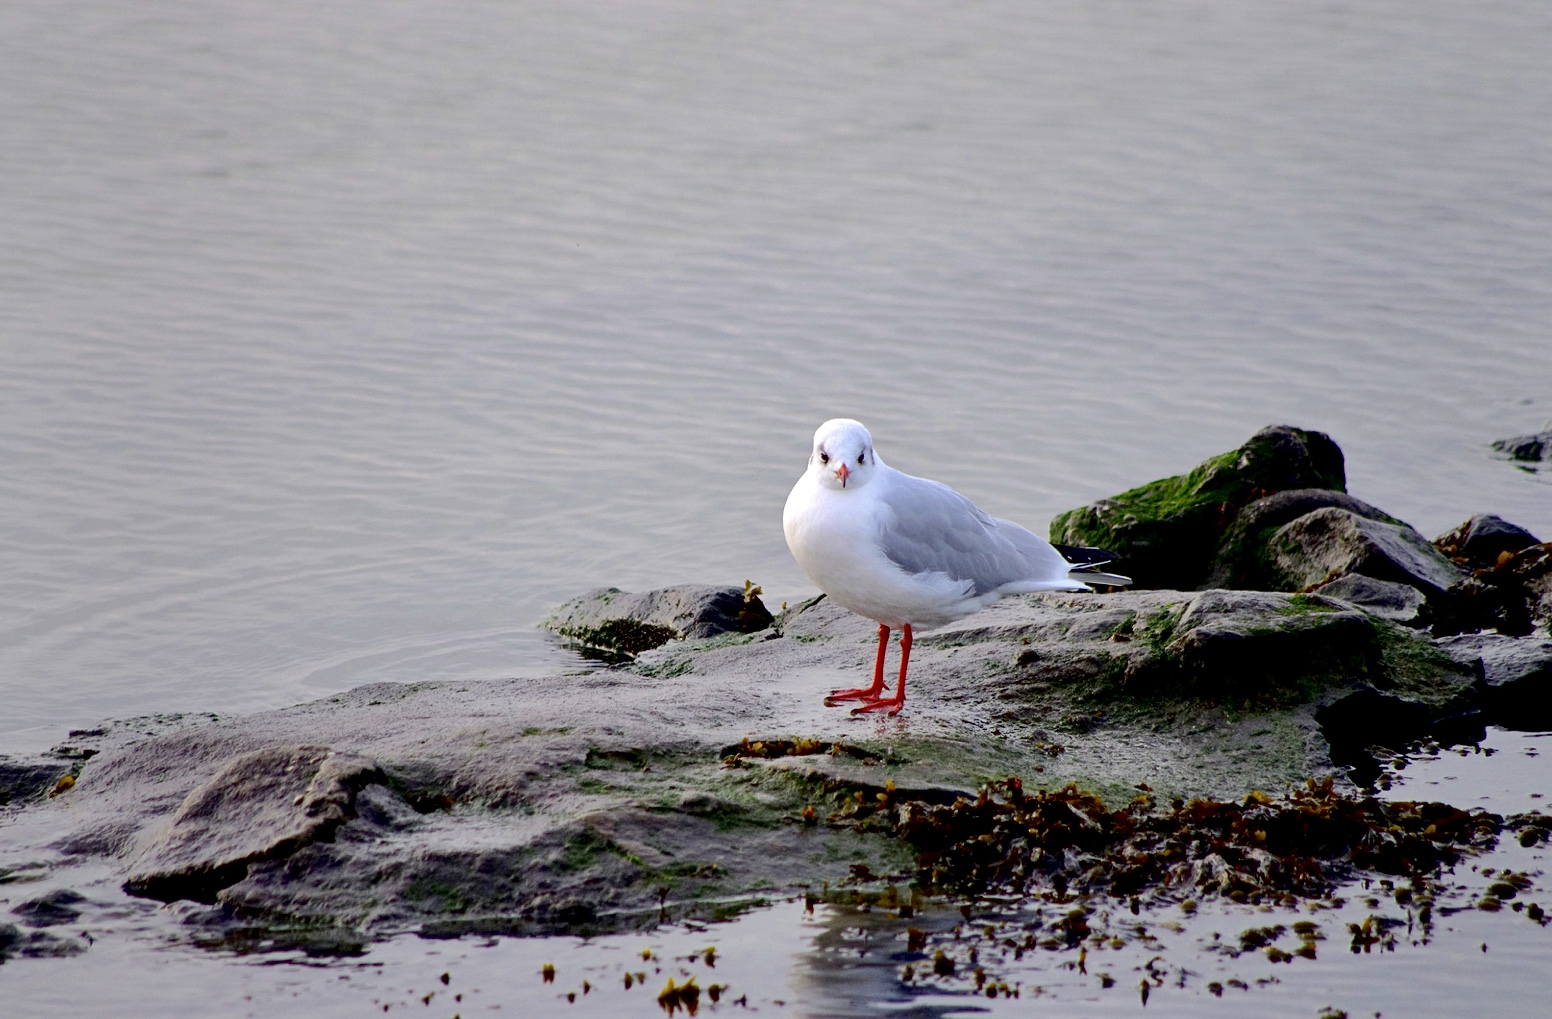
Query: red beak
843	472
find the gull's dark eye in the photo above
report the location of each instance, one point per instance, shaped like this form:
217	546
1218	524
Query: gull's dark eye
862	457
824	457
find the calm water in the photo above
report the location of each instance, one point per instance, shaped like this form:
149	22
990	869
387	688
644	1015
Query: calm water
338	343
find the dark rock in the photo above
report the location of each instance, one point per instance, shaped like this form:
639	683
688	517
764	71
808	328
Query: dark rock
1362	717
1358	720
1516	676
26	780
1331	543
1488	537
35	944
620	623
1539	594
51	909
1483	540
1510	588
1490	600
1465	727
1168	531
1527	447
262	805
1241	559
1399	603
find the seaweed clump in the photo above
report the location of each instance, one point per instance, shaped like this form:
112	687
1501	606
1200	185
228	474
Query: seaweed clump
802	746
1508	586
1008	841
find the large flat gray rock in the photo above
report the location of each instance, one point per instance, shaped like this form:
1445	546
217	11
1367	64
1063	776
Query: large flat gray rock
601	800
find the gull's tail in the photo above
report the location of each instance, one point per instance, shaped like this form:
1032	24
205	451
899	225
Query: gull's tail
1085	566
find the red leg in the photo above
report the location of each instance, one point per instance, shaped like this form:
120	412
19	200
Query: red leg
867	693
895	703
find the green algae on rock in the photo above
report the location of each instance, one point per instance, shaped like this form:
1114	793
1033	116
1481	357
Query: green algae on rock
1167	531
1272	516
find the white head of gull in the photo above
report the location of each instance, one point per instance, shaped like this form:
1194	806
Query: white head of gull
907	552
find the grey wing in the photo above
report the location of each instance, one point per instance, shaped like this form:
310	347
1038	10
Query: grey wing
933	529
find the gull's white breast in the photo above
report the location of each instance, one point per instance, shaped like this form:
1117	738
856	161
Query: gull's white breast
835	537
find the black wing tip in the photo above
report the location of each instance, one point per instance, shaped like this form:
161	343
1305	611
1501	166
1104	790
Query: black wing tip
1099	580
1086	556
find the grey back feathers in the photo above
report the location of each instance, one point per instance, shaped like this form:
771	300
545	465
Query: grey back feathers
940	531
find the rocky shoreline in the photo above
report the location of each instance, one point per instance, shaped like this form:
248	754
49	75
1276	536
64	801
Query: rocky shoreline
1283	631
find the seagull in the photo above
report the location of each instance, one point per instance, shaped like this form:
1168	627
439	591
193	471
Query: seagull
907	552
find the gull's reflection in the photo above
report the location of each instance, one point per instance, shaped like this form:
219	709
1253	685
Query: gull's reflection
853	963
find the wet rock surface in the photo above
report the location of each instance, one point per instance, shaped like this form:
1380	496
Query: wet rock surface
29	780
59	906
261	805
15	941
706	773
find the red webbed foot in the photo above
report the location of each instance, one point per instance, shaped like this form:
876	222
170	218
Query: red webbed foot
861	693
889	705
865	693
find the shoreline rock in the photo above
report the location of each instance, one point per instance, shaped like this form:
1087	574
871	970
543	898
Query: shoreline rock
617	626
1528	448
1167	531
612	799
702	773
1273	515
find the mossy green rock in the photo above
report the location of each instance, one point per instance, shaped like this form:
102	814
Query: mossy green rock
1167	532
